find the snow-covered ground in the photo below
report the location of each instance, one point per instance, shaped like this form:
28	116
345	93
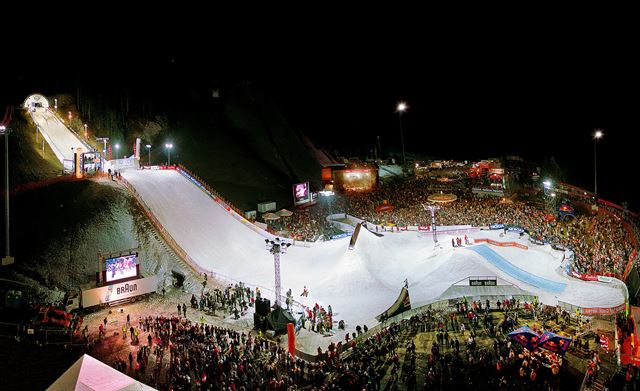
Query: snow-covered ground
63	142
361	283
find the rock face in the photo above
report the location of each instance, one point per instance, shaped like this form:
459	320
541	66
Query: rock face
59	230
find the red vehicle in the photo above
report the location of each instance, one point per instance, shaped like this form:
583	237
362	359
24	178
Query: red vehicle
56	317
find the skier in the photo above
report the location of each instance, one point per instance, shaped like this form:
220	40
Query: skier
453	242
305	292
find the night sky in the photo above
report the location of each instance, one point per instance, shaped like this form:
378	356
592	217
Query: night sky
468	100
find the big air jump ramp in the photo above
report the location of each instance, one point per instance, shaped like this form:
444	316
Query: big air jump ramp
501	263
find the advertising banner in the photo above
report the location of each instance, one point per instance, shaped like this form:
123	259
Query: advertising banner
603	311
605	279
496	226
123	290
301	193
342	235
516	229
483	282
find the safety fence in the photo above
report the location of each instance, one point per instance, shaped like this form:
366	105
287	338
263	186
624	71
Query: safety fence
501	244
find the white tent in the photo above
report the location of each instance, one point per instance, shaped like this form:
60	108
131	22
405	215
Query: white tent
89	374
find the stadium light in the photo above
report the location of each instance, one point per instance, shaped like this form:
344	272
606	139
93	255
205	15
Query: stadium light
117	148
596	136
8	259
547	183
401	108
276	247
85	131
169	146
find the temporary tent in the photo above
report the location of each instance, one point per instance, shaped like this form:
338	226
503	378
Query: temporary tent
270	216
278	319
284	213
554	342
526	337
89	374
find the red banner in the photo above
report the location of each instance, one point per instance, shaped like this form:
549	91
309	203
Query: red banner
292	339
603	311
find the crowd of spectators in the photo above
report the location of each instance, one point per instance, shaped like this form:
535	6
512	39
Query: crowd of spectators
601	243
179	354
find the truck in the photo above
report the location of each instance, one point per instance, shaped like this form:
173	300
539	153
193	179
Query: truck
88	295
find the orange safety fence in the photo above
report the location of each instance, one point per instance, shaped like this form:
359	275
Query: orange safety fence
502	244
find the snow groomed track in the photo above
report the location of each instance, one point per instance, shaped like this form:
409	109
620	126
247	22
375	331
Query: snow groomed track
62	141
361	283
501	263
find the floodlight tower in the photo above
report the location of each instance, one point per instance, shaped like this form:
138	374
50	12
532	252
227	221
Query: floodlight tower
433	209
597	135
277	247
8	259
401	108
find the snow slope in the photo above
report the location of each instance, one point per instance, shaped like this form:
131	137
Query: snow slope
61	139
361	283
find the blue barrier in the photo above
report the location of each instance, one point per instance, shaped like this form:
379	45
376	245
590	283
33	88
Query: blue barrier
501	263
342	235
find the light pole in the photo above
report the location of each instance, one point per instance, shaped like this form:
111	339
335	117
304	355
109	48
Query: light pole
149	149
117	148
596	136
55	104
85	131
169	146
276	247
69	116
433	209
8	259
401	108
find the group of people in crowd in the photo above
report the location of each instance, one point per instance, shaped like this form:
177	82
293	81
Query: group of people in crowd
601	243
179	354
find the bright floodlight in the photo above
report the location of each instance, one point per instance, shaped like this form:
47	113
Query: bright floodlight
148	145
598	134
402	107
547	183
117	146
168	145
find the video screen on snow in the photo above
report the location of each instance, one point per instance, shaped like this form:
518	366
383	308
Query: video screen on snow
121	267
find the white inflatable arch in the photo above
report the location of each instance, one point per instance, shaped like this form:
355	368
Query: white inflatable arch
36	100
